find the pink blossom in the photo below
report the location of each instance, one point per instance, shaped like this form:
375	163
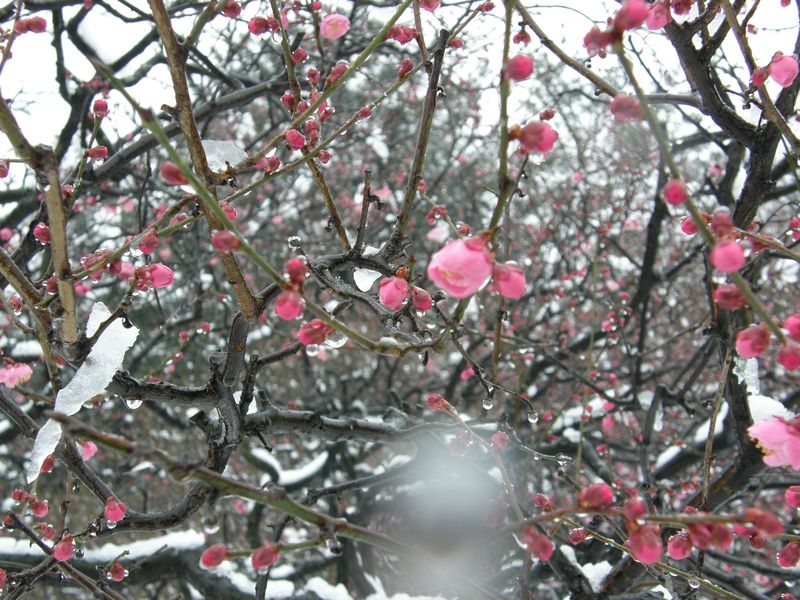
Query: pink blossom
759	76
214	556
729	297
538	137
225	241
658	15
260	25
88	449
97	153
792	325
430	5
39	508
158	275
789	356
779	439
315	331
289	305
437	403
792	496
645	544
334	26
296	269
231	9
688	226
538	544
467	374
679	546
727	256
596	496
13	374
420	299
461	267
405	67
114	509
149	242
766	523
783	69
3	578
117	572
265	556
172	174
596	41
674	192
100	108
519	68
577	536
64	550
500	440
509	280
295	139
753	341
632	14
393	292
626	108
789	554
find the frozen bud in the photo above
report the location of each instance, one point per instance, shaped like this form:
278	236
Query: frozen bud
679	546
214	556
645	544
393	292
314	332
265	556
729	297
420	299
41	233
789	356
727	256
294	139
289	305
64	550
789	554
225	241
172	174
437	403
39	508
674	192
116	572
519	68
97	153
100	108
231	9
114	509
405	67
783	69
509	280
753	341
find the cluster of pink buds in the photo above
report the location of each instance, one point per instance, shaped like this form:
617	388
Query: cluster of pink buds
753	341
156	275
536	136
631	15
395	290
289	303
39	508
401	34
30	25
262	25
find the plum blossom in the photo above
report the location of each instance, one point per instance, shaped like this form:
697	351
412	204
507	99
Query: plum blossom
674	192
537	137
631	15
315	331
519	68
779	439
538	544
13	373
289	305
596	496
789	356
792	326
679	546
658	15
265	556
334	26
753	341
393	292
420	299
114	509
64	550
729	297
172	174
509	280
626	108
461	267
783	69
645	544
727	256
214	556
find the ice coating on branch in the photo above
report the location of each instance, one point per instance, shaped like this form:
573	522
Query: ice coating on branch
91	379
364	278
218	152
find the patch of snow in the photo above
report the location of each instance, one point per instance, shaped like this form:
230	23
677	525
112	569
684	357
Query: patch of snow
667	455
701	433
764	407
746	371
308	470
177	540
218	152
91	379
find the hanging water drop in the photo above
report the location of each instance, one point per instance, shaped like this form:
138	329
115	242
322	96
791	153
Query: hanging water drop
336	340
533	417
312	350
111	524
694	584
211	525
488	403
133	404
135	252
562	459
294	242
